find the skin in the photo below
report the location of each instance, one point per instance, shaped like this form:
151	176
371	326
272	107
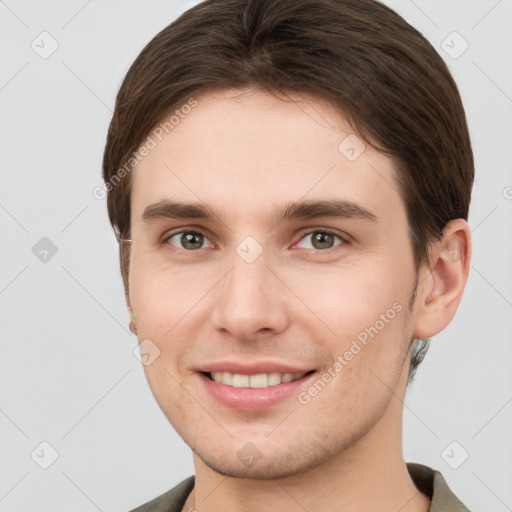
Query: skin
246	153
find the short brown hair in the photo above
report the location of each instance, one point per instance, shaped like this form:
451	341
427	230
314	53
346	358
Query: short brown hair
359	55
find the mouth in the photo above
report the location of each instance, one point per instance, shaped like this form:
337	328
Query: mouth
254	390
256	381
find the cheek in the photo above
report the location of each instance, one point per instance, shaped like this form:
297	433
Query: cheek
168	305
161	294
347	298
361	315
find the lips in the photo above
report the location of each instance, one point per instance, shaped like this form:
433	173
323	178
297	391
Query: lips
253	387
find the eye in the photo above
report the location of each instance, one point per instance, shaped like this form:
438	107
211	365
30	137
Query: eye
322	239
189	240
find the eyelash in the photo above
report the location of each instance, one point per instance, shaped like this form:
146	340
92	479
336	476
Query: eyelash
342	237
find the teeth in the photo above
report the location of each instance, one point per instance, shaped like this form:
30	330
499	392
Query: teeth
261	380
258	381
274	379
227	378
240	381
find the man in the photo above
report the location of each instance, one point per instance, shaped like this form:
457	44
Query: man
289	183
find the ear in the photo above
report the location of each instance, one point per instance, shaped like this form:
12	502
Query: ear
441	286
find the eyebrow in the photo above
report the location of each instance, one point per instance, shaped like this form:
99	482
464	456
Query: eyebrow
309	209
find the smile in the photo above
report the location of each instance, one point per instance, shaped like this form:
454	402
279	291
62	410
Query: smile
254	390
260	380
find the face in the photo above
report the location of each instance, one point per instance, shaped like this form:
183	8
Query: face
271	271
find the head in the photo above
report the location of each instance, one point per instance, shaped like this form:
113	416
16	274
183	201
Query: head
248	109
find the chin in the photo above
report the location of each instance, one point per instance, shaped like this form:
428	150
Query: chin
260	471
262	467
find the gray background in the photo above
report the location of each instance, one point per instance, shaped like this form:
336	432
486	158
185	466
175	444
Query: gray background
68	375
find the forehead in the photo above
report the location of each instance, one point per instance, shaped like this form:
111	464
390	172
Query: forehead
249	150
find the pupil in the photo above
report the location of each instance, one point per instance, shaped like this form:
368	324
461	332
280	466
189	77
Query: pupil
191	240
322	240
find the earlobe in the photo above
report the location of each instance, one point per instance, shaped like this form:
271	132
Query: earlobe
441	293
133	328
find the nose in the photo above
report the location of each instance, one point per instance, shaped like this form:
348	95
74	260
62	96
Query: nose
250	302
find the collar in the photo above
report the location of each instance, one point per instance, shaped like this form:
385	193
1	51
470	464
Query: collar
431	483
428	481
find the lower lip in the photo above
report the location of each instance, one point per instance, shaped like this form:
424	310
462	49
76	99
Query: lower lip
253	399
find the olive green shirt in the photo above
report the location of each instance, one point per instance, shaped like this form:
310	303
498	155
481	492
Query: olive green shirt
428	481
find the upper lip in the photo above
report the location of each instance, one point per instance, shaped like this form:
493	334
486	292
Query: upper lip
252	368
